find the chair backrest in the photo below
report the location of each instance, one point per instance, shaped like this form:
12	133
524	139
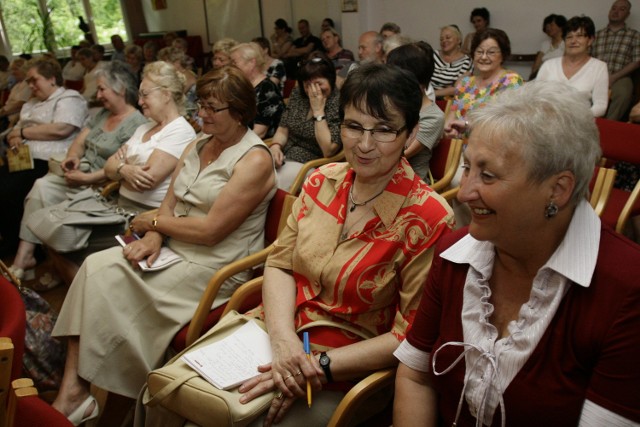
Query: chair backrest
619	141
280	204
289	84
444	162
12	319
601	186
74	84
296	186
444	105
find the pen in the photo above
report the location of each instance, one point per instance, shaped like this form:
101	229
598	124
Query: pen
305	341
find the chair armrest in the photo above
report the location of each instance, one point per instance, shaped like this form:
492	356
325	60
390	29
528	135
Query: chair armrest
241	294
453	160
359	394
628	208
216	281
109	188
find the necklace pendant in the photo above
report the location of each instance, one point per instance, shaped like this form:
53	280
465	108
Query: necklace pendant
353	207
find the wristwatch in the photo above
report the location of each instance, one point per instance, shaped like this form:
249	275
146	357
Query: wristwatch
319	118
325	364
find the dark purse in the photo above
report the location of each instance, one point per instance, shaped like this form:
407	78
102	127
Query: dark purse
44	355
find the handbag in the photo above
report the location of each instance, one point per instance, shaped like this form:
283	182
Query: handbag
178	388
44	356
67	226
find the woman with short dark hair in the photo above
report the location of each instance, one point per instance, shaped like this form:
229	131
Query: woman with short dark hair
310	126
553	47
481	20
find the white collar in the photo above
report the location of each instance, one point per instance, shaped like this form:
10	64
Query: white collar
575	258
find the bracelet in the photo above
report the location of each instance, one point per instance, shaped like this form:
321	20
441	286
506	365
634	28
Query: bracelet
22	133
154	223
120	166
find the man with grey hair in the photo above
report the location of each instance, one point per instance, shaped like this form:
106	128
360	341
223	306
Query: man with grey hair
619	47
369	51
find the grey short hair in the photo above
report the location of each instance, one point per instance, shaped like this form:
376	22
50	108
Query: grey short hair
119	78
553	126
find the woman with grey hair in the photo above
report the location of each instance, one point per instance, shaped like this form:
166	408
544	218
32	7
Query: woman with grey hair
539	298
84	161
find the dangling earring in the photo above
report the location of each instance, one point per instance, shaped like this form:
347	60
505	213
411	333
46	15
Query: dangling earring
550	210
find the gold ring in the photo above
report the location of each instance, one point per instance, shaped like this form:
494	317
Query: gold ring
298	373
287	377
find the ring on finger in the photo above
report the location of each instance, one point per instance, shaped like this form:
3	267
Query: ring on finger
279	395
287	377
298	373
138	181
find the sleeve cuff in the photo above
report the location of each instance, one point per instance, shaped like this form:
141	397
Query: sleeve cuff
415	359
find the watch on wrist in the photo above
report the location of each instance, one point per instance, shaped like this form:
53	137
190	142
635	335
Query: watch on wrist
319	118
325	364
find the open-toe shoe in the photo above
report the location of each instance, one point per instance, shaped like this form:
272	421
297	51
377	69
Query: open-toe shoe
77	417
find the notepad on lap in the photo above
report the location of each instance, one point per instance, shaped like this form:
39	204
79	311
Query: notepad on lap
234	359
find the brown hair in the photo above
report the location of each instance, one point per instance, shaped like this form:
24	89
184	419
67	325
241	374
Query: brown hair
48	68
228	84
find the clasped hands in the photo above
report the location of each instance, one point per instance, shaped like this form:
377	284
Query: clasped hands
148	246
287	374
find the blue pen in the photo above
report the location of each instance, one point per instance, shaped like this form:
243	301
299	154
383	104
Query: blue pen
307	349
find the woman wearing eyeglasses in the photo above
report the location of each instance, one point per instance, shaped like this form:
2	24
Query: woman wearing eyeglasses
119	322
489	49
310	126
577	67
353	257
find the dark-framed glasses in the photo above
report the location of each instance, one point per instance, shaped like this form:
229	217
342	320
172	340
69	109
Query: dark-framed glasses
383	135
208	108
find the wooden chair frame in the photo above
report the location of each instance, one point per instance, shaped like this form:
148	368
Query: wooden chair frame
453	160
602	188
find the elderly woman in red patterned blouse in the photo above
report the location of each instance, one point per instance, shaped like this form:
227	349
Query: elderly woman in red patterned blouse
350	265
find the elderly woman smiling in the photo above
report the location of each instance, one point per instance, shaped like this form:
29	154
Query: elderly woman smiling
535	297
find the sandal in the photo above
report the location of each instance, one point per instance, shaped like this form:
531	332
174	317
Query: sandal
77	417
22	274
47	282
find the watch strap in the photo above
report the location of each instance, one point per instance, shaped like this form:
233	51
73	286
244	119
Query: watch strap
326	366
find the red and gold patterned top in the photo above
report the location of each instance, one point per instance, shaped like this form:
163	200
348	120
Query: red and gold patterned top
369	283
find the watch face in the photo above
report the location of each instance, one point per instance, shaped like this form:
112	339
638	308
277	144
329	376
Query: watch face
324	360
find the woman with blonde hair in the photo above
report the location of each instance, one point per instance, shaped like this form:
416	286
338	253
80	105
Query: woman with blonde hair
179	59
221	51
249	59
451	62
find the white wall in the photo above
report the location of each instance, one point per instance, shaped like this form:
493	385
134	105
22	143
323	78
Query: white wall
419	19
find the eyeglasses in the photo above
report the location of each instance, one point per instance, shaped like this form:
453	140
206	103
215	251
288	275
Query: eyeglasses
491	53
354	131
146	93
208	108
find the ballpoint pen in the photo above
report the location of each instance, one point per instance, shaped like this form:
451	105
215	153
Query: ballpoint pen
307	349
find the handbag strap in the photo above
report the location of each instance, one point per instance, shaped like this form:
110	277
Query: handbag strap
165	391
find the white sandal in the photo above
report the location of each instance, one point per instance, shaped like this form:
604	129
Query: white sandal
77	417
47	282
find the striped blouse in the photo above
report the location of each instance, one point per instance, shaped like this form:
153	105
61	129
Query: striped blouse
447	73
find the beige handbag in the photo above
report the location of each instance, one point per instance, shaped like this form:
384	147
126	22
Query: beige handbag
180	389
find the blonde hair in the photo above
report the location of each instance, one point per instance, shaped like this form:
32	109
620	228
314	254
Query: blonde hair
224	45
168	78
455	30
251	51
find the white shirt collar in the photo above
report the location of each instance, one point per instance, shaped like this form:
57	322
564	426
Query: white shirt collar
575	258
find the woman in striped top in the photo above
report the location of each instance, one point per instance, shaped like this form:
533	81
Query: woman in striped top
450	62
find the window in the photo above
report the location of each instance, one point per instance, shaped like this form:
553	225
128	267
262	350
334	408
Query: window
25	21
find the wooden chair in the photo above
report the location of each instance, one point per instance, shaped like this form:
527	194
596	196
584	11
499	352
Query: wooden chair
354	404
444	104
620	142
310	165
601	187
289	84
19	404
444	163
204	318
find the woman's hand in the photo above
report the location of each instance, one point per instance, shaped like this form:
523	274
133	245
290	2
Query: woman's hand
456	129
317	100
137	177
278	155
148	247
14	139
143	222
71	163
77	178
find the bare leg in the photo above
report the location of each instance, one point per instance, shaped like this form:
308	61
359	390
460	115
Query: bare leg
24	257
73	390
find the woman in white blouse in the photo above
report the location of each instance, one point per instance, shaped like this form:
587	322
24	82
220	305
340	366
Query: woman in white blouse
577	67
529	316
